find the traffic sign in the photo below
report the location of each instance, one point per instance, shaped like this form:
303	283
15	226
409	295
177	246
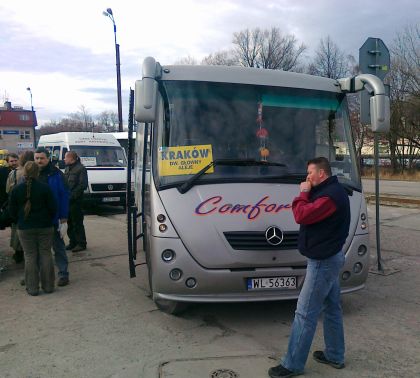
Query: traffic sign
374	58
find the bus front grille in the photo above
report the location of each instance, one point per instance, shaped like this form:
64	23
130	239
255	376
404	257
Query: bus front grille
108	187
256	240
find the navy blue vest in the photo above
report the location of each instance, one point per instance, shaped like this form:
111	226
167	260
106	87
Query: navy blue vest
326	238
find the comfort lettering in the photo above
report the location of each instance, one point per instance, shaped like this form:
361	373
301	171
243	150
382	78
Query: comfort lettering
216	205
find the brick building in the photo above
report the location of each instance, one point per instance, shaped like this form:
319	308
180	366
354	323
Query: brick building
17	128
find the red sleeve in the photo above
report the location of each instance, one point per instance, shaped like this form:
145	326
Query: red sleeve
306	212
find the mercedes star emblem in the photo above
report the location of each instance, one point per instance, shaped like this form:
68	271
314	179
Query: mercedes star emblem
110	187
274	235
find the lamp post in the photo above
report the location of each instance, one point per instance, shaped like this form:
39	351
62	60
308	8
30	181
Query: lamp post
109	14
33	116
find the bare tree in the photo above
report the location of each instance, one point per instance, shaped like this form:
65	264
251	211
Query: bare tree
279	52
404	80
406	49
247	46
329	60
267	49
221	58
188	60
82	120
108	121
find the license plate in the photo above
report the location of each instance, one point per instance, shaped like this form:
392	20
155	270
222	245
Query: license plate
266	283
110	199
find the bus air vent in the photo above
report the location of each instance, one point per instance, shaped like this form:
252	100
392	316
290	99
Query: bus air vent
256	240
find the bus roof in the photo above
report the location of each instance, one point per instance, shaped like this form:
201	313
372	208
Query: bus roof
80	139
246	75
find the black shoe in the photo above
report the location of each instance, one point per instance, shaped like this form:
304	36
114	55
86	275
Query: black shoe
78	248
281	371
319	356
70	247
63	281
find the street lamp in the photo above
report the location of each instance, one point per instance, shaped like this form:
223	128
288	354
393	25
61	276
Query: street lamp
109	14
33	116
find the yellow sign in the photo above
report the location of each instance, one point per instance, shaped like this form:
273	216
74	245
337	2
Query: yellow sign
184	160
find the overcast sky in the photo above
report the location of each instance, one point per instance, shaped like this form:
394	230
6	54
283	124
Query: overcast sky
64	50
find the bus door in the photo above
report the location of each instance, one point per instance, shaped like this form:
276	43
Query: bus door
136	218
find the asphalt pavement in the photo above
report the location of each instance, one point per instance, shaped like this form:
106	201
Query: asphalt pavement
393	193
105	325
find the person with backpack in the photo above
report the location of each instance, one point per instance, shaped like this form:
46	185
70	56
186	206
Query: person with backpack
33	208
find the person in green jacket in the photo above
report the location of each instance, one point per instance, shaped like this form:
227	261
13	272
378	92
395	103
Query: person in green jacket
33	207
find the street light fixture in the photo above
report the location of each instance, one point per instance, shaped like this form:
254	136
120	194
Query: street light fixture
108	13
33	115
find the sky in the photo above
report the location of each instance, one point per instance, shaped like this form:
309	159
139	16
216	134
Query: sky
65	52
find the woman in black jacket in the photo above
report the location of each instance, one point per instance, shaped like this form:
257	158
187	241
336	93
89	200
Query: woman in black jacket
33	207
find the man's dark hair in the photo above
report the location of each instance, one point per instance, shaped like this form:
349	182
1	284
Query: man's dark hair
321	163
11	155
42	150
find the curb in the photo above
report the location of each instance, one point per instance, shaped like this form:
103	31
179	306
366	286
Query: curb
390	200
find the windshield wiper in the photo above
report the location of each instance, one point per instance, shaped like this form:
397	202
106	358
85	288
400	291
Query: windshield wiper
187	185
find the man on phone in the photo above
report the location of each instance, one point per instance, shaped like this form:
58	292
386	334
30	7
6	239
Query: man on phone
323	211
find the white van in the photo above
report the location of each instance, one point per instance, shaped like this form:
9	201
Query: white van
103	157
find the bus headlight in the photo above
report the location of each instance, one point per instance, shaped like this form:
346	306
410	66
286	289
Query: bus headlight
161	218
346	275
361	250
363	225
163	227
357	268
168	255
191	282
175	274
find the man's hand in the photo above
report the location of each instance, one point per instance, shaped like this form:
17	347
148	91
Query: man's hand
62	229
305	186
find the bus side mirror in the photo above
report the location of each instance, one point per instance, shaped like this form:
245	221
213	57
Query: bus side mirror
146	92
380	113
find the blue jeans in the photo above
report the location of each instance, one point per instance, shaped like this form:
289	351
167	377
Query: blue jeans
320	293
60	254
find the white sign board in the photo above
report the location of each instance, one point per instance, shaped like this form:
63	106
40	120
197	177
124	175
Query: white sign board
88	161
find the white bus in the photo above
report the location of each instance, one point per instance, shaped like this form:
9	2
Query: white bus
228	149
104	159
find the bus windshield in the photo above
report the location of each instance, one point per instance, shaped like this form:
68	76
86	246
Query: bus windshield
100	156
287	126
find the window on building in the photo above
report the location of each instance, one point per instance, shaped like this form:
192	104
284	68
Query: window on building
25	134
23	117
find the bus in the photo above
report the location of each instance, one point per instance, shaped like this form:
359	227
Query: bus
104	159
228	149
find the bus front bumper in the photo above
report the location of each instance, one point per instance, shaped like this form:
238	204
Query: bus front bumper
231	285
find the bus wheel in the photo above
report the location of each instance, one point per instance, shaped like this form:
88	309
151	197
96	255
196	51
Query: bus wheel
171	307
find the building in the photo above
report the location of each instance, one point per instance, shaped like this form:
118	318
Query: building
17	128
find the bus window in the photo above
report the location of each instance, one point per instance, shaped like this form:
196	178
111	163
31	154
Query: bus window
55	155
